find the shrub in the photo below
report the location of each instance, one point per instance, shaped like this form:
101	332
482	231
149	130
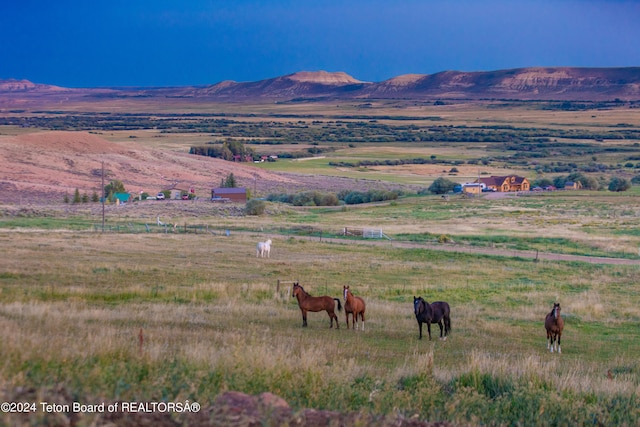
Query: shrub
618	184
255	207
443	238
280	198
442	186
306	198
329	199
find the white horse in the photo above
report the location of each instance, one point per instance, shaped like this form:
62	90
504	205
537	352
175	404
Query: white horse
263	249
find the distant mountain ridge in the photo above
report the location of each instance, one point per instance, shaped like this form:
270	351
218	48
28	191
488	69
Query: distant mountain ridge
534	83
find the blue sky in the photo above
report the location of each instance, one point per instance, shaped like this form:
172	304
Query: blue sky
183	42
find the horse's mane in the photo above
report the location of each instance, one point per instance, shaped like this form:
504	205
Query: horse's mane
300	286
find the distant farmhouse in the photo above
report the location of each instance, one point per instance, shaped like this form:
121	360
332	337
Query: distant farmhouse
505	184
238	195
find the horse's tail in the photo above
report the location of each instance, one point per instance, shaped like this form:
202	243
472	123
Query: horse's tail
339	305
447	324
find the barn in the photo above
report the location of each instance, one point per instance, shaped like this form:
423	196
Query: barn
238	195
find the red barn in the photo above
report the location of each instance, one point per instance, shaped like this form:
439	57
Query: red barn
238	195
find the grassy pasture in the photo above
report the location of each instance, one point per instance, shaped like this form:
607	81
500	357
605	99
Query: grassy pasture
73	303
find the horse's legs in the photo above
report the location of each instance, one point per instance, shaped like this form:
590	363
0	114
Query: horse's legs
304	318
429	329
559	348
442	329
548	340
362	318
420	326
332	316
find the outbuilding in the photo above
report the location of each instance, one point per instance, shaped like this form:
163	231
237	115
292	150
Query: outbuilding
238	195
121	198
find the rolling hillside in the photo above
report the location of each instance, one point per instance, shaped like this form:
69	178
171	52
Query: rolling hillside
44	166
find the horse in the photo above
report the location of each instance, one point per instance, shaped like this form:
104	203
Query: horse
554	324
308	303
263	249
354	305
436	312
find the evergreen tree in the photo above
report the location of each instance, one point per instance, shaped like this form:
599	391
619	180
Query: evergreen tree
229	182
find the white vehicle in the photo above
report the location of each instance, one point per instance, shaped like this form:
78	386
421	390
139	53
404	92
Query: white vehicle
160	196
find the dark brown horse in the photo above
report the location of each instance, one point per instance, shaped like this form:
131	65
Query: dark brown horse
354	305
554	324
308	303
436	312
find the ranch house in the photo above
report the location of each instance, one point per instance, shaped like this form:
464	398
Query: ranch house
505	183
238	195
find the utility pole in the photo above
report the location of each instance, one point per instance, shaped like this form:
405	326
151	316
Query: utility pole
102	196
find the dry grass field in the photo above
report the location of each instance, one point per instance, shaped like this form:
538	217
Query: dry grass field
144	313
212	320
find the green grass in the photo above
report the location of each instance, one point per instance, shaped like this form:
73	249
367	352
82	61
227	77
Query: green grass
321	166
47	223
72	305
73	300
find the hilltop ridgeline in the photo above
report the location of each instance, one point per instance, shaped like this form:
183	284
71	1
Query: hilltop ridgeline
540	83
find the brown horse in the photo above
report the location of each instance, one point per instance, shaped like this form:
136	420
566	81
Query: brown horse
554	324
308	303
354	305
436	312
